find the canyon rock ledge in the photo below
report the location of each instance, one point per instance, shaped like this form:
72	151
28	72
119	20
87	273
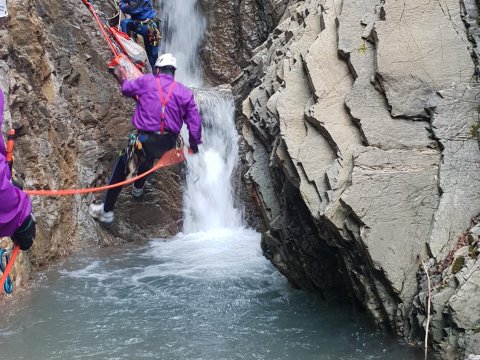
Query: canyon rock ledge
358	118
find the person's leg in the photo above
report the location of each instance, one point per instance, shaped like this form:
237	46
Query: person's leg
127	26
139	184
118	175
152	55
152	51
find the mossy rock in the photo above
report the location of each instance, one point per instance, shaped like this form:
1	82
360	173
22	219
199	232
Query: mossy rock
471	239
458	264
474	128
473	251
363	50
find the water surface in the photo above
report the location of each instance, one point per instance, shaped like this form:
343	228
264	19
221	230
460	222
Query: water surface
208	296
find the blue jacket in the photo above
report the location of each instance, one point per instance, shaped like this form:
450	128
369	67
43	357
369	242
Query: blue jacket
138	9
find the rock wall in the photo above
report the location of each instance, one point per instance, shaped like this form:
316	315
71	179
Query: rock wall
359	118
235	29
73	120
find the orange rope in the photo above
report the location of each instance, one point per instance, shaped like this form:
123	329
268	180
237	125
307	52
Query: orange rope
16	250
171	157
101	26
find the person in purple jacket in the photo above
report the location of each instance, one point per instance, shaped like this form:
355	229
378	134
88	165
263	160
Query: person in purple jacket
16	219
163	106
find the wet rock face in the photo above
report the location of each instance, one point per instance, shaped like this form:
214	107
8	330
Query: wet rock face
358	118
235	29
73	120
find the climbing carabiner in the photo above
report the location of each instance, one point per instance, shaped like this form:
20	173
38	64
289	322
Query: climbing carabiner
5	254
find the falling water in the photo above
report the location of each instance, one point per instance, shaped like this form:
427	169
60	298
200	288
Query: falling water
183	28
208	195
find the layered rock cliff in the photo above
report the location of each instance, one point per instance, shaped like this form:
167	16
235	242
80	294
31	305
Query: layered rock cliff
360	119
73	121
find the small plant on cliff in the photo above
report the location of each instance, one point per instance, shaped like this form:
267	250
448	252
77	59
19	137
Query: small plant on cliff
473	251
458	264
362	49
445	263
473	129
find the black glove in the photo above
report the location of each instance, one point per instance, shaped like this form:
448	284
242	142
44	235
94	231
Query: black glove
194	148
18	183
25	234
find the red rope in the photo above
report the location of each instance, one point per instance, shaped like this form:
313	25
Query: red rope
171	157
102	28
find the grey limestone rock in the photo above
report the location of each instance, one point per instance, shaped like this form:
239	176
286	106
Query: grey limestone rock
422	48
459	172
464	304
401	188
358	116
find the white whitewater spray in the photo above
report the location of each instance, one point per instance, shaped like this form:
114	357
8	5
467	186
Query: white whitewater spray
183	27
208	195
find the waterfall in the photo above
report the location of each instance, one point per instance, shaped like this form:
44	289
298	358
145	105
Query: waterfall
208	194
183	27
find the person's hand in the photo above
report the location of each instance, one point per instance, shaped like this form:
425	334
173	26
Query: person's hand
18	183
194	148
25	234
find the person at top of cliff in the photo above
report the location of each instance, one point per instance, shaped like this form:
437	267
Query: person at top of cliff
16	219
163	105
143	21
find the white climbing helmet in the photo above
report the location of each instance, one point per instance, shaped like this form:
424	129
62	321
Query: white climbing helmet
166	60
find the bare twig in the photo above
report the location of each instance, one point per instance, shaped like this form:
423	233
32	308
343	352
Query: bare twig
429	302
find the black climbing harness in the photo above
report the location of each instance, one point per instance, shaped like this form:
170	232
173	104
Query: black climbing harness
134	155
153	31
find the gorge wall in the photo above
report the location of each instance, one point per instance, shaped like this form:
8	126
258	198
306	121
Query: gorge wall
360	120
73	121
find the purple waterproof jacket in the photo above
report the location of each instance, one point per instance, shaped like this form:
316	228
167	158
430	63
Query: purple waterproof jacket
15	205
180	108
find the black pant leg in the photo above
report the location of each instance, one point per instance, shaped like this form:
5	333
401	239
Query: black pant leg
118	175
144	167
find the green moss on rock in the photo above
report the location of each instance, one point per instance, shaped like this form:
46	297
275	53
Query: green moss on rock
473	251
458	264
474	128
